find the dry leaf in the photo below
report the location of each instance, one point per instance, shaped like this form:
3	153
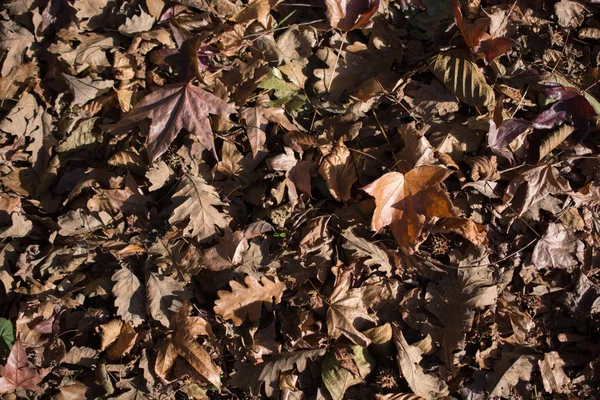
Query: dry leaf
130	296
18	372
407	202
347	15
556	248
338	170
248	300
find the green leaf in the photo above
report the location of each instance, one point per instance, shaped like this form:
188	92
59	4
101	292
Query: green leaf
337	379
7	334
286	94
463	78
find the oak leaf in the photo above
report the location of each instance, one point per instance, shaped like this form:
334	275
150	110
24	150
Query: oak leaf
18	372
251	376
421	383
14	40
173	108
130	297
407	202
362	248
163	292
247	300
195	201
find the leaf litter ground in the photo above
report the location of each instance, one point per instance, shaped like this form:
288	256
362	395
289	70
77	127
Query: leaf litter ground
339	199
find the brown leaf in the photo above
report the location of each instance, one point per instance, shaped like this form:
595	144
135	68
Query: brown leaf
407	202
14	41
163	293
130	297
256	125
556	248
533	185
347	15
18	372
338	170
346	308
471	33
468	229
252	376
375	256
570	14
195	202
553	140
124	343
173	108
247	300
421	383
508	372
86	89
553	376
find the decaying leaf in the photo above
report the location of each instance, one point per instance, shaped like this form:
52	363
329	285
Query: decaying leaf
338	379
338	170
508	372
347	15
248	300
130	296
374	255
18	372
556	248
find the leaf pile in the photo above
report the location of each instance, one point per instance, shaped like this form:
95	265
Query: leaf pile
339	199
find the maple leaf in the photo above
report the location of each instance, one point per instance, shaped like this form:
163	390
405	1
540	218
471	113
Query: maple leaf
555	249
533	185
173	108
347	15
18	373
195	201
346	307
247	300
365	249
252	376
407	202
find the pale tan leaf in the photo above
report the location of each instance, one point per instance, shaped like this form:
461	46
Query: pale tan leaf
247	300
553	376
86	89
195	201
554	139
421	383
109	332
556	248
14	41
508	372
463	78
130	297
256	125
338	170
124	343
570	14
163	292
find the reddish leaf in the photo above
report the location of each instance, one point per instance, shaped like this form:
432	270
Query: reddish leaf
173	108
471	33
347	15
495	47
18	373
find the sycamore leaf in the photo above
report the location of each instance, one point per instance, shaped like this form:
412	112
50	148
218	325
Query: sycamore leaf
338	379
173	108
130	297
338	170
247	375
195	201
14	40
407	202
18	372
422	384
373	254
247	300
555	249
347	15
346	307
163	292
533	185
463	78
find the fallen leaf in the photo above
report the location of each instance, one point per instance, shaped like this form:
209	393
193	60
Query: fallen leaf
248	300
534	184
173	108
338	170
468	229
463	78
421	383
86	89
130	297
570	14
163	293
14	41
338	379
346	307
373	255
251	376
347	15
556	248
553	376
18	372
553	140
407	202
508	372
195	201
